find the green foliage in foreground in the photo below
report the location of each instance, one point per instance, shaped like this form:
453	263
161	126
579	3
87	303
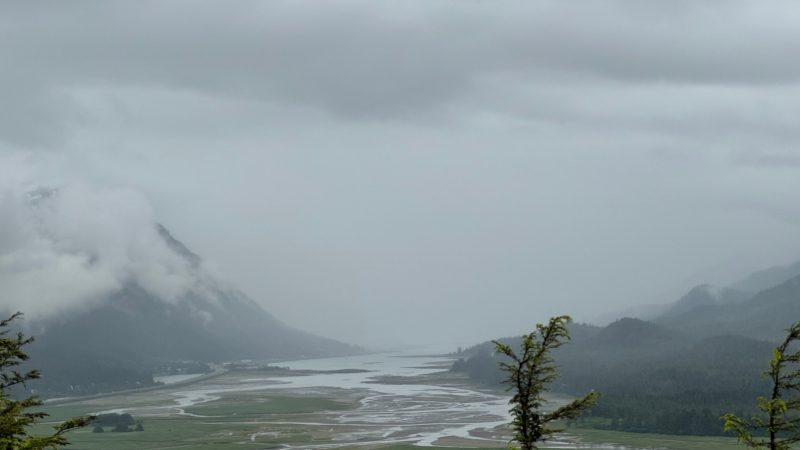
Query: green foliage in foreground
16	419
528	374
780	418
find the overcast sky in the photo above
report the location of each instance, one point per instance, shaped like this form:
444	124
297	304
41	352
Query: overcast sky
403	171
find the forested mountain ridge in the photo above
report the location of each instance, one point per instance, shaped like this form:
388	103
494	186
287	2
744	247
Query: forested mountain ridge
701	296
764	315
707	295
651	378
702	357
767	278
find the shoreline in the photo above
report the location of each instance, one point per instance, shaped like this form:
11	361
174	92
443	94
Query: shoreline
58	401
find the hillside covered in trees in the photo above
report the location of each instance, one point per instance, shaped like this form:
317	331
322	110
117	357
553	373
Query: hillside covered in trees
677	373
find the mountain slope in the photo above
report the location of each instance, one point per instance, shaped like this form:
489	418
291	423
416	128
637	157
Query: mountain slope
117	340
703	296
764	316
767	278
651	378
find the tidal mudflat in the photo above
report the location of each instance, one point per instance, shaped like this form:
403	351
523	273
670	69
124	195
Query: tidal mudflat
369	401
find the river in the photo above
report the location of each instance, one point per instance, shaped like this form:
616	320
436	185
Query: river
401	399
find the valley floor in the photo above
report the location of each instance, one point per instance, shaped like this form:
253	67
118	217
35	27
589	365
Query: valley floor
401	404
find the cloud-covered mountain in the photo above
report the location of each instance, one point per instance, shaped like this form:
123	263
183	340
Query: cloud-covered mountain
75	245
120	339
110	294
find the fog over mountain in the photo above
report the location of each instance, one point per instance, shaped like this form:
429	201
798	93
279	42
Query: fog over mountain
67	247
111	295
362	169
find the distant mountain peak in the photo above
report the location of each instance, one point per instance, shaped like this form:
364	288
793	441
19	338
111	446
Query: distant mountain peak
631	332
704	296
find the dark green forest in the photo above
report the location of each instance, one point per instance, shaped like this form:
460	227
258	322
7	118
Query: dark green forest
651	380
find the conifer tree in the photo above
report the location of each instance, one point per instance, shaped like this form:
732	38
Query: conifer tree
528	374
779	425
15	415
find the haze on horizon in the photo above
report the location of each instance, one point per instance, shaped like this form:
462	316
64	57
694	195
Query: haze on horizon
407	172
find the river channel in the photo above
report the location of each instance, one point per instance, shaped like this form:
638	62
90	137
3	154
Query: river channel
402	397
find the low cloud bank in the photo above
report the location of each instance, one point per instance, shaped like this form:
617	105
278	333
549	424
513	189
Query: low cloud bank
72	244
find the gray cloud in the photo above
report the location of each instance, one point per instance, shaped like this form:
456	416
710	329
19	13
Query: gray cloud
388	60
466	167
768	159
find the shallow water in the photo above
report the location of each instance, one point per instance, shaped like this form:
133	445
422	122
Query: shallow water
172	379
387	413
